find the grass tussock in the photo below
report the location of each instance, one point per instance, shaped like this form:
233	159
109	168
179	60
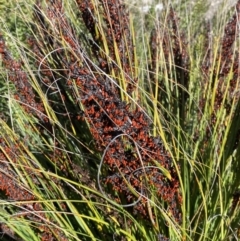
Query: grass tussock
114	128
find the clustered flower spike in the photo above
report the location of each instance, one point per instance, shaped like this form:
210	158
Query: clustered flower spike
227	65
109	117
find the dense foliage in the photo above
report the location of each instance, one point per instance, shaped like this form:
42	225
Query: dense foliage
118	129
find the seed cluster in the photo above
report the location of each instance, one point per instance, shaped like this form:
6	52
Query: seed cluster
110	117
15	190
228	60
168	55
9	183
19	78
117	34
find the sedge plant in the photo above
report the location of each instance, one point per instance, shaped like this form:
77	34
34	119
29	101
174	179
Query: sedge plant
118	124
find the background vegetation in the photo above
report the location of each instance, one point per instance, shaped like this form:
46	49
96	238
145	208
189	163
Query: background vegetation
118	124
